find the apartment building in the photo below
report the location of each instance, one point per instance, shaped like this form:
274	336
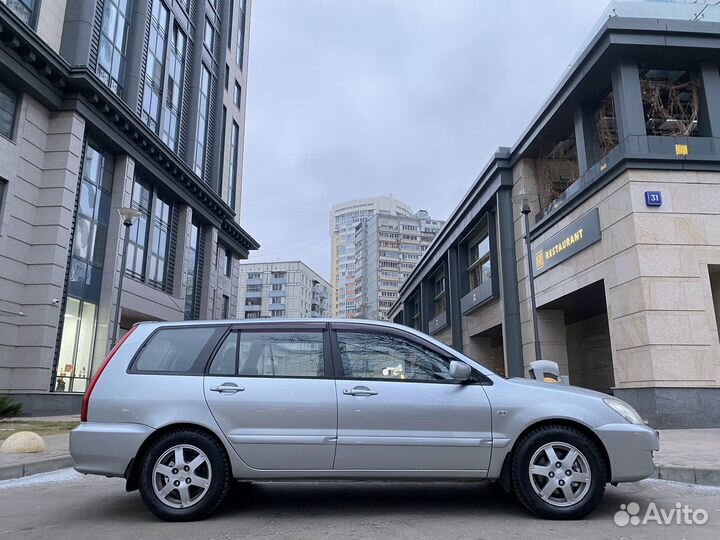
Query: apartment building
619	177
344	218
105	105
282	289
387	250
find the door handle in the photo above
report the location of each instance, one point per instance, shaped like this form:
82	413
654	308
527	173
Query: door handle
227	388
359	391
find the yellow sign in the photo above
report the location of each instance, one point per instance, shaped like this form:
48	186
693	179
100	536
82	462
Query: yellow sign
681	149
564	244
539	260
570	240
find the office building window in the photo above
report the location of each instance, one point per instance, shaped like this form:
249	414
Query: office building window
234	143
160	235
209	36
228	262
173	100
86	268
8	108
240	42
139	231
153	86
439	293
479	269
113	40
202	125
26	10
237	95
227	76
225	307
191	282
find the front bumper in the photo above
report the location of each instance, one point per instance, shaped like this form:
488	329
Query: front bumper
630	448
106	449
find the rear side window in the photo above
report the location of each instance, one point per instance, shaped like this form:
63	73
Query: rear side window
270	354
177	350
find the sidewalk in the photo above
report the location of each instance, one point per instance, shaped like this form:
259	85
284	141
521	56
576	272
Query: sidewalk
686	455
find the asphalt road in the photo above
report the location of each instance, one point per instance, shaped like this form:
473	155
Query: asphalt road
66	505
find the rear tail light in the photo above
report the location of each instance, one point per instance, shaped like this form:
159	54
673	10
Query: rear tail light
94	380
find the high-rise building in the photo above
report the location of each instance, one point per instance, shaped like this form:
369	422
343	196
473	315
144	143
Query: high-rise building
282	289
387	249
343	219
110	104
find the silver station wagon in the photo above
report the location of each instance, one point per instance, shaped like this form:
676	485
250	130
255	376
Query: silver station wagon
181	410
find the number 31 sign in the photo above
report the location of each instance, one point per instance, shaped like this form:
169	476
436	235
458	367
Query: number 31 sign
653	198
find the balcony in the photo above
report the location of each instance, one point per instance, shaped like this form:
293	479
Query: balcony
255	281
251	308
253	294
275	307
277	294
278	280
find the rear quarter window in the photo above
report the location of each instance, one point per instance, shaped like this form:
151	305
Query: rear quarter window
179	350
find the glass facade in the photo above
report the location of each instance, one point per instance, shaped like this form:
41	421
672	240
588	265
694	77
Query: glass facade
234	143
113	41
202	125
8	106
160	241
139	231
172	103
86	266
153	85
26	10
240	44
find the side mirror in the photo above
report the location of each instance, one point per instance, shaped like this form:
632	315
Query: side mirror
460	371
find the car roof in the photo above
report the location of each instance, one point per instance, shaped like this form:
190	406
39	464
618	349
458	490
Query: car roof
274	321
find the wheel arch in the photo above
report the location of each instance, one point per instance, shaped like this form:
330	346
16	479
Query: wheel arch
504	478
131	471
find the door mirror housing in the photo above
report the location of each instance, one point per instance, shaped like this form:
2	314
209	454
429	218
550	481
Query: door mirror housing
460	371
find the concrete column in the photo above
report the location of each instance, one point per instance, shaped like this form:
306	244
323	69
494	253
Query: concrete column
426	298
628	100
77	32
454	314
709	124
135	66
512	335
588	149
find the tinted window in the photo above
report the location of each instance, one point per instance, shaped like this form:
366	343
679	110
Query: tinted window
281	354
381	356
177	350
225	360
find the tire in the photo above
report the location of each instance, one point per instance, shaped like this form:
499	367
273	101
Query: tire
570	491
190	492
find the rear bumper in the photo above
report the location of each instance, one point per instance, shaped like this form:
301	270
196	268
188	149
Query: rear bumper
630	448
106	449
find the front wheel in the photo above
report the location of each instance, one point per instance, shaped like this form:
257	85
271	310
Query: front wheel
558	473
184	476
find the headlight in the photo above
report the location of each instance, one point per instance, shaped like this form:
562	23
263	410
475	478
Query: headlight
624	410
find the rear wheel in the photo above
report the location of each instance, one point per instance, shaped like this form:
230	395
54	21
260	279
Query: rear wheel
558	473
185	475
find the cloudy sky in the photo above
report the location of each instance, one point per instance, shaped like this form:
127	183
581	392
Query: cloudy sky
358	98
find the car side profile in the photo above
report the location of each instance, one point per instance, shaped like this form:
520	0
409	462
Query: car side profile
180	410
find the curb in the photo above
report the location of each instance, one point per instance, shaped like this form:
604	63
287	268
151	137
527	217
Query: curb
688	475
10	472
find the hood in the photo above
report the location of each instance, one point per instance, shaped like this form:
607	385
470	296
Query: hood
555	387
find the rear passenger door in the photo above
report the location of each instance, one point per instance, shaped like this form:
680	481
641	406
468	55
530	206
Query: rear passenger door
271	390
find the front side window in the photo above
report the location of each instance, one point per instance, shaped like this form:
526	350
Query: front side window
153	85
479	269
113	42
366	355
8	106
270	354
177	350
202	125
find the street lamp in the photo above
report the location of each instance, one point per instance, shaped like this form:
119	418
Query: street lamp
128	215
525	211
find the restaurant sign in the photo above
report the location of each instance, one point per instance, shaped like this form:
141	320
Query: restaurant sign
580	234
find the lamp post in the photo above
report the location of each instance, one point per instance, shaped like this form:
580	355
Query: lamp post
128	216
525	210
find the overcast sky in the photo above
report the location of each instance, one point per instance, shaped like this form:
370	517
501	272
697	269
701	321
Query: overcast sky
359	98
